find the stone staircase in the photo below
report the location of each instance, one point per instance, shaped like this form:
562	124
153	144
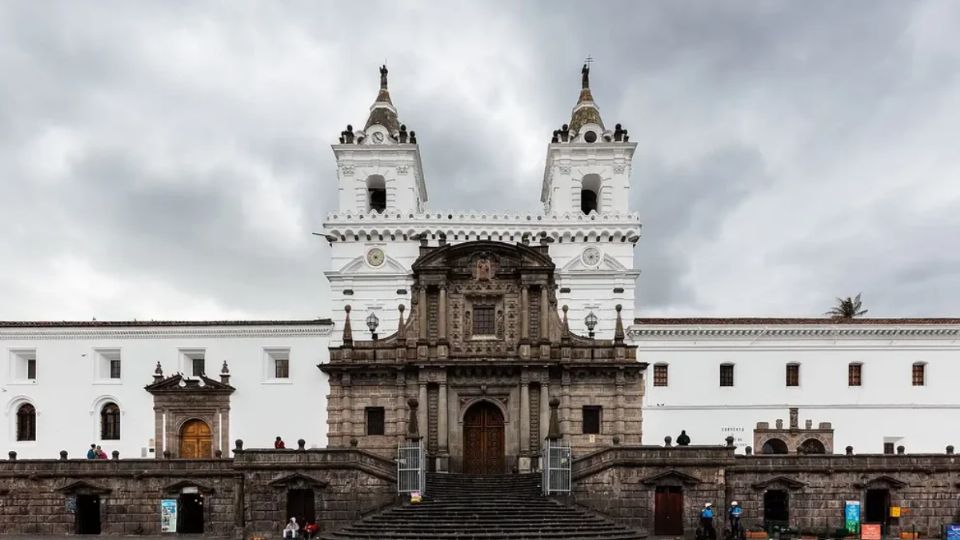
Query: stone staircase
465	507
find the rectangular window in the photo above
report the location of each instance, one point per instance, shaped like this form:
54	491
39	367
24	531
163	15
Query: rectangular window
199	366
660	375
115	368
193	362
888	448
591	419
918	374
277	363
854	372
484	320
32	369
375	421
23	364
793	374
726	375
281	368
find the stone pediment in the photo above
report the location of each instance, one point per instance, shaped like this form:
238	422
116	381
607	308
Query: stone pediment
608	264
83	487
777	481
469	256
671	477
360	266
181	383
179	487
882	481
297	480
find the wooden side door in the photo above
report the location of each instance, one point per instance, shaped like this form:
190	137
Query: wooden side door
196	441
668	511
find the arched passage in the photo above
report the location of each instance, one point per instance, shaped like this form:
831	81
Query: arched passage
196	440
774	446
483	451
590	194
812	446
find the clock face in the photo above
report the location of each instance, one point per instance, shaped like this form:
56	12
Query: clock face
591	256
378	137
375	257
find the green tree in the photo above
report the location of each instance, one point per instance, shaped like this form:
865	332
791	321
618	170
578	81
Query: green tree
847	308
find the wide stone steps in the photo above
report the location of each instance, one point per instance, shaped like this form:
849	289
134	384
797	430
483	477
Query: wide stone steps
464	507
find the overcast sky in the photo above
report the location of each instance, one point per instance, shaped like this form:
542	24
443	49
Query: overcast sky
171	159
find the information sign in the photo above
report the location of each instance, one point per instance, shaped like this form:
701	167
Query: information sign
168	515
871	531
953	531
894	511
851	516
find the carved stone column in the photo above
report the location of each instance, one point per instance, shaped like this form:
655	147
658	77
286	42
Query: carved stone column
620	380
544	407
443	434
565	401
524	421
400	407
422	411
524	312
442	316
422	314
346	411
544	314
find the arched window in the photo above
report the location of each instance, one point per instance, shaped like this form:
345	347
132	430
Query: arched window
590	194
774	446
26	423
110	422
376	194
812	446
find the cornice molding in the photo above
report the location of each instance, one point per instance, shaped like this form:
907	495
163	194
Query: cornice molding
644	332
10	334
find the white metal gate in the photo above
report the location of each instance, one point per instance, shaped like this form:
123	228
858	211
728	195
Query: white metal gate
411	473
556	467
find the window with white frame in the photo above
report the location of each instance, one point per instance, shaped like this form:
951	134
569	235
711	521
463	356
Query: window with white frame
194	362
278	364
23	365
107	364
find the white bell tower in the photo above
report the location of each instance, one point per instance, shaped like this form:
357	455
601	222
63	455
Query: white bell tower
379	168
588	166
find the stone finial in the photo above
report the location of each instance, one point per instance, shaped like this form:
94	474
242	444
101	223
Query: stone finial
779	423
901	450
566	321
238	445
683	439
729	440
301	444
667	441
400	308
347	331
849	450
748	450
12	455
115	454
354	442
413	427
809	424
218	454
618	334
225	373
616	440
553	429
413	137
158	373
167	454
950	449
794	418
63	454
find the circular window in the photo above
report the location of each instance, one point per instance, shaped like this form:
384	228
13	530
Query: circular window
590	136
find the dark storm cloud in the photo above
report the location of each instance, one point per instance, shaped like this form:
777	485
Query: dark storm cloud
171	160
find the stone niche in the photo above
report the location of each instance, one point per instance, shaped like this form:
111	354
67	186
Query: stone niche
793	439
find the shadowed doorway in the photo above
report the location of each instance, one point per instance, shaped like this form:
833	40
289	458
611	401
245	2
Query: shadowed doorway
483	439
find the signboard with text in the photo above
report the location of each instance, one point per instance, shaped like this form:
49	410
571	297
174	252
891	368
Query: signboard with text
851	516
168	515
953	531
871	531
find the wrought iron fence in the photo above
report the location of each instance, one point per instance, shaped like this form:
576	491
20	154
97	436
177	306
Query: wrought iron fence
556	467
411	473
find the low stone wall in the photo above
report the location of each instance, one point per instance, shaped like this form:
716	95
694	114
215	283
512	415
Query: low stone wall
242	497
621	483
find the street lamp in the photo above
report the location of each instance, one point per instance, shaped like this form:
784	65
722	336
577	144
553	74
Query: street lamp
372	323
591	322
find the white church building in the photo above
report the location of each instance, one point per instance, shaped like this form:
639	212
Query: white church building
873	384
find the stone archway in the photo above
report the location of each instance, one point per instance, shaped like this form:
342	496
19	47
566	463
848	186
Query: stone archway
483	439
196	440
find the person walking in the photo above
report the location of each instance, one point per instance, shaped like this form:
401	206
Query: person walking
279	443
92	452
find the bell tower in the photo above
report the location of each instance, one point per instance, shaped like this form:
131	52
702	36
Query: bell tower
588	166
378	168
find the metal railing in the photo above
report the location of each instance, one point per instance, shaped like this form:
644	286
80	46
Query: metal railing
556	467
411	472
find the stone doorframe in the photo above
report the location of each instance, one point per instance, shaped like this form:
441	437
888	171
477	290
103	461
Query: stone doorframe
179	399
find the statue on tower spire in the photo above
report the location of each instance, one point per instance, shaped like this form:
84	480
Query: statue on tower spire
383	77
586	75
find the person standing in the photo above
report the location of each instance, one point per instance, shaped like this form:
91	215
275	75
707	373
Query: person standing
92	452
706	521
100	453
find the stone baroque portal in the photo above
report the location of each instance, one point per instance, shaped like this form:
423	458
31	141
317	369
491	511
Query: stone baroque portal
482	352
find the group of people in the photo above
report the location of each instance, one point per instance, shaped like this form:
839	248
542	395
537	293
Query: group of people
733	518
95	452
298	530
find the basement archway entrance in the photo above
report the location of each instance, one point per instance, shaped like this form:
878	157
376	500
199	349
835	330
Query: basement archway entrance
483	439
88	514
776	509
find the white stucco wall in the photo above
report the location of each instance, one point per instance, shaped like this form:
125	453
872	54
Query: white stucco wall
886	408
68	393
